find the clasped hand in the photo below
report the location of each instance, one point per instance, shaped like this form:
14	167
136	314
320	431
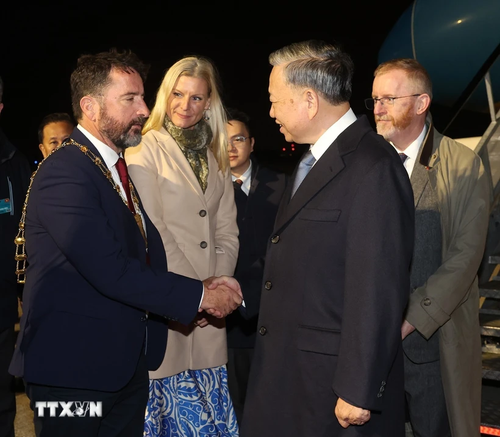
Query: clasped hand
222	296
348	414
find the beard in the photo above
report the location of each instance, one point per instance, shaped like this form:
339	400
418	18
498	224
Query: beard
121	135
397	124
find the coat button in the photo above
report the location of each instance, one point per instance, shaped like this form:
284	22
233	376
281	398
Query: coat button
262	330
268	285
203	244
427	302
203	213
275	239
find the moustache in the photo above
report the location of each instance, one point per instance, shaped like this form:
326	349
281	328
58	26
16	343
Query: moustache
383	118
138	121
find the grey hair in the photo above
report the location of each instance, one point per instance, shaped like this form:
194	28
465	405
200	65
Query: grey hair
316	64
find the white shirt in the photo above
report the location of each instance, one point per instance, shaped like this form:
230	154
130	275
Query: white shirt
110	158
412	151
246	178
327	139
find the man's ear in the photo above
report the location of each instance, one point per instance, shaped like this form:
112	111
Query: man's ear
312	102
89	107
423	103
1	107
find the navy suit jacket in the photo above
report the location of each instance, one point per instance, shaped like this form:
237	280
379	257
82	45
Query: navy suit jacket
88	285
336	283
255	219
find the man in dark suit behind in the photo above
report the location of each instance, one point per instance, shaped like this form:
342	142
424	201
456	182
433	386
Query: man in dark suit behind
15	175
328	357
257	192
97	268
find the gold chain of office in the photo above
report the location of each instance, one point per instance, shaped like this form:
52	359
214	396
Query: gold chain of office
20	241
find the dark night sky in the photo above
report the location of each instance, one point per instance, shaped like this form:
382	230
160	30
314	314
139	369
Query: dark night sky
40	46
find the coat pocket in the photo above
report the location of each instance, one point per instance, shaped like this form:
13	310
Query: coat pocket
319	340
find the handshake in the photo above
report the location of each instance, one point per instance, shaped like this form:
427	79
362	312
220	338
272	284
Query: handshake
222	296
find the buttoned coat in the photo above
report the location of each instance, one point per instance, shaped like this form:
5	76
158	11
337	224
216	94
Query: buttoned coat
199	233
449	301
88	286
255	223
336	282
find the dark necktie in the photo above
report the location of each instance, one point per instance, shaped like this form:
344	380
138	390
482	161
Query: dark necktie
121	166
403	157
240	198
305	165
238	187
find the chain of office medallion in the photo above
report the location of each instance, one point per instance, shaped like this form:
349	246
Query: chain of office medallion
20	240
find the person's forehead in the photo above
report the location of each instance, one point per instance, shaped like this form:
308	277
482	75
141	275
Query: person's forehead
393	77
58	126
123	82
235	125
192	83
276	77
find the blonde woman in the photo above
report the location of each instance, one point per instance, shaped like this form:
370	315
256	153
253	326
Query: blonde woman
181	171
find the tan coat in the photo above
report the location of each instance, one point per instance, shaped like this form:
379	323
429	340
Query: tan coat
462	186
185	218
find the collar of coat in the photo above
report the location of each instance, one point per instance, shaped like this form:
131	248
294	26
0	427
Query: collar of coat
428	153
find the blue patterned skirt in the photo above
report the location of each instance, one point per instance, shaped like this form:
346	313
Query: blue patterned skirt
194	403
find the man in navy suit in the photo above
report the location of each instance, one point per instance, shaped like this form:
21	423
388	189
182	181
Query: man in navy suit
257	193
97	268
328	358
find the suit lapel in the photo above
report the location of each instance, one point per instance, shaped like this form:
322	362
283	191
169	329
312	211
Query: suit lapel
421	171
326	168
419	181
80	138
254	182
213	170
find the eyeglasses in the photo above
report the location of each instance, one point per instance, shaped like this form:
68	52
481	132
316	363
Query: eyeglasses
238	141
370	103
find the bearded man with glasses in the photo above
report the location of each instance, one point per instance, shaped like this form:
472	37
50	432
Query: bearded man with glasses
441	338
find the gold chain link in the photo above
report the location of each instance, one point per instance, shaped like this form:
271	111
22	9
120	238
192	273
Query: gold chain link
20	240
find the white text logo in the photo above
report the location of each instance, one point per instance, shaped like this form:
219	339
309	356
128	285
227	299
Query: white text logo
68	409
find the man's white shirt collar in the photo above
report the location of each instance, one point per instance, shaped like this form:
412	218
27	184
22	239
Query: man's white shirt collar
412	151
246	178
327	139
109	156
